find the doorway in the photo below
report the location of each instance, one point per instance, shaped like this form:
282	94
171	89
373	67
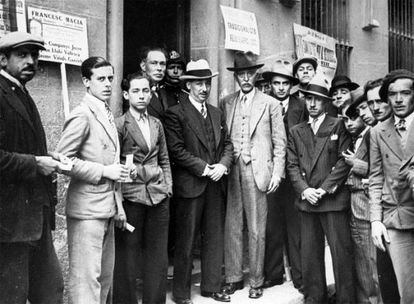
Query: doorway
161	23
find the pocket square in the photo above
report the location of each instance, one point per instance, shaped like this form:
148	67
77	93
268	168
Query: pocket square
334	137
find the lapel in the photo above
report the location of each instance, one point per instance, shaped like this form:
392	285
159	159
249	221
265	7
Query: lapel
155	105
194	122
101	118
153	131
305	133
216	123
162	96
232	101
257	108
321	137
391	138
409	146
14	101
363	148
135	132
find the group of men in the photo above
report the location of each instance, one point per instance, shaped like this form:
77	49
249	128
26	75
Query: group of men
293	168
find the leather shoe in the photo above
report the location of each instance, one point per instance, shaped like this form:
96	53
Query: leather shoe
231	288
182	301
255	293
218	296
271	283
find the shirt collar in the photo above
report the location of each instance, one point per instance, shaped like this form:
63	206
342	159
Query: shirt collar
138	115
100	104
319	119
362	134
285	103
249	96
408	120
12	79
196	104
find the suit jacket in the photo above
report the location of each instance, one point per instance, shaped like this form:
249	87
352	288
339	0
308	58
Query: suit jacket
316	161
92	143
158	104
359	171
188	147
153	182
24	191
267	136
390	193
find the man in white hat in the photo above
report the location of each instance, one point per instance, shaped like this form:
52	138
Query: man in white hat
29	268
201	149
283	222
318	171
259	139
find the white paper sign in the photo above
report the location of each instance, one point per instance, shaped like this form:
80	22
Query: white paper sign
241	30
65	36
12	16
309	42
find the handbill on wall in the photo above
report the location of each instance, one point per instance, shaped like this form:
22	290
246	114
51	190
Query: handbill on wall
65	36
241	30
309	42
12	16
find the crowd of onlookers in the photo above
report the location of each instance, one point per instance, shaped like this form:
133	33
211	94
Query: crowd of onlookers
268	172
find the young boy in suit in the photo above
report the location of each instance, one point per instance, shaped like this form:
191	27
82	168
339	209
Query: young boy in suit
145	198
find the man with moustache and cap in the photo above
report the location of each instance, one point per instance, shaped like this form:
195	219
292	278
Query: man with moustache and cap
202	152
258	135
283	222
29	268
317	170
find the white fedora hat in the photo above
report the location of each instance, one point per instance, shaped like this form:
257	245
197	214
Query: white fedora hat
199	69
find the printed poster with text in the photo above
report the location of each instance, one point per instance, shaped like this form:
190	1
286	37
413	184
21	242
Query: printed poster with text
66	37
241	30
309	42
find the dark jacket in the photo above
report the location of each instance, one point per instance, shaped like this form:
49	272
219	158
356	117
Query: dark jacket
24	191
188	147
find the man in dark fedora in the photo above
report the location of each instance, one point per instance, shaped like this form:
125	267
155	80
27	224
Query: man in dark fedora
340	90
258	135
317	170
304	68
262	84
29	268
360	105
201	149
283	222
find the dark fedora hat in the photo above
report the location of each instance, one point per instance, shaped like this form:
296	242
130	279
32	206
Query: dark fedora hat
391	77
318	87
245	61
342	81
282	68
309	59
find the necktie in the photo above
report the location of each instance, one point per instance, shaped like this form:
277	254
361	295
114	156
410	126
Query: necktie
283	108
110	117
243	103
402	131
203	111
313	126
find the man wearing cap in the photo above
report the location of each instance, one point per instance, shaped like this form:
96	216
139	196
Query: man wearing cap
340	91
317	170
283	222
304	69
29	268
201	149
380	109
175	68
391	199
258	135
359	104
357	157
262	84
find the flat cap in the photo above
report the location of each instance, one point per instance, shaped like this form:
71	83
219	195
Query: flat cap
15	39
391	77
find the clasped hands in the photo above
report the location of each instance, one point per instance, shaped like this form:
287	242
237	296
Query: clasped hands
313	195
215	171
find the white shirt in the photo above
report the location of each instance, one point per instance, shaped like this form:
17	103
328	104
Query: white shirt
408	120
318	121
285	105
197	104
12	79
143	124
249	98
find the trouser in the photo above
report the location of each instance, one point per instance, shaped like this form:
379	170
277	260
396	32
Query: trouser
335	225
204	213
244	197
91	247
387	280
149	238
31	270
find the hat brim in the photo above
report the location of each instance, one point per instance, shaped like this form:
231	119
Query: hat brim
235	69
348	85
325	97
31	43
192	77
269	75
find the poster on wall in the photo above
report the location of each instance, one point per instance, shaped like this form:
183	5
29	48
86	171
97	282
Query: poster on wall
12	16
66	38
309	42
241	30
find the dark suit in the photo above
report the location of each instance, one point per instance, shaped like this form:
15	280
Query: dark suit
158	104
200	201
28	262
283	222
146	208
316	161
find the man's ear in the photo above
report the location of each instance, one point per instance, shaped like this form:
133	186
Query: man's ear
187	84
125	94
142	65
3	60
86	81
